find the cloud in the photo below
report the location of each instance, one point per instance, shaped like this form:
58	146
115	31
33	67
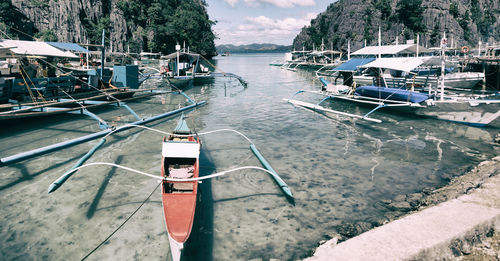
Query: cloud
263	29
287	24
277	3
232	3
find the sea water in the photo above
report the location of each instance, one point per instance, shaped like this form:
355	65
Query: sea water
339	170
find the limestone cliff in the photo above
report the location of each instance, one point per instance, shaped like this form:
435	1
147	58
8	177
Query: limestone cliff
465	21
147	25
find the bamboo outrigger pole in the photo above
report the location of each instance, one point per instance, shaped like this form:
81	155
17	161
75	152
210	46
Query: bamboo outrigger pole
65	144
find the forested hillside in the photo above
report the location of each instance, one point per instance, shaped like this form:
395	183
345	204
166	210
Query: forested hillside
465	21
138	25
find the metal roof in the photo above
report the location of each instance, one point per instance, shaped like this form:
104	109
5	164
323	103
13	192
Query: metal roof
406	64
174	55
352	65
72	47
391	50
34	48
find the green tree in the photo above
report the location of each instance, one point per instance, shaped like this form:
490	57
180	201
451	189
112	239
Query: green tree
464	22
13	23
410	13
163	23
367	32
384	6
454	10
46	36
435	34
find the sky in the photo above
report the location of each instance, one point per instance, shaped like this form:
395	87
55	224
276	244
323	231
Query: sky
262	21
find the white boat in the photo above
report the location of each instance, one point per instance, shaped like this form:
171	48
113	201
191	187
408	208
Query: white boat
439	103
183	69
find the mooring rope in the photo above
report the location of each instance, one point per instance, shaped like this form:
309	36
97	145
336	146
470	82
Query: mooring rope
182	135
124	222
170	179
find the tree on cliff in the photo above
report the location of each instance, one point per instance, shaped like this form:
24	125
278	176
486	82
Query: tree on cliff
468	21
410	14
161	24
13	23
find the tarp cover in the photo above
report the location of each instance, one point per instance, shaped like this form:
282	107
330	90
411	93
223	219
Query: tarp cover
391	94
72	47
352	65
406	64
182	127
34	48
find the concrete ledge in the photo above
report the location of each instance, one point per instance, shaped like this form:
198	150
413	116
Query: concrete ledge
434	233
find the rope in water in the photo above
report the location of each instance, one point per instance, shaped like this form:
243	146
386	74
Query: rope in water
179	135
170	179
120	226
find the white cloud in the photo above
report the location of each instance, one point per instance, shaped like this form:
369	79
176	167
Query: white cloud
288	23
277	3
232	3
289	3
262	29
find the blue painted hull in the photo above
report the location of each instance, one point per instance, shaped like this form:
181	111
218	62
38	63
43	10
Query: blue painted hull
391	94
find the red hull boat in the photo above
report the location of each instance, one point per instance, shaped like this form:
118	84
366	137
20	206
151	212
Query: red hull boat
180	161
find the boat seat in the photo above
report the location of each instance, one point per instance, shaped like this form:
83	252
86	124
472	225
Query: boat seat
184	186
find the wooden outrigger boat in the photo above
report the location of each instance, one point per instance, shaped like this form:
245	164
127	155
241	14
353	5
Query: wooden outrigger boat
180	160
466	108
179	178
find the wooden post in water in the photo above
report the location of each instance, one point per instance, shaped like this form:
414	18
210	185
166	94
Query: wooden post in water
349	49
379	43
443	54
418	42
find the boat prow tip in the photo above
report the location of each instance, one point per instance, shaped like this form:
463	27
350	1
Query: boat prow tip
176	249
53	187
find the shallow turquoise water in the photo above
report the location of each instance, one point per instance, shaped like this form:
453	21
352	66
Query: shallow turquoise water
339	170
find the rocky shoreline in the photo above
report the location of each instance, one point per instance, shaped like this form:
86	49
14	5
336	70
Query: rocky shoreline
484	245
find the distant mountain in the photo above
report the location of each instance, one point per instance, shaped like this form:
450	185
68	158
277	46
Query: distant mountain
253	48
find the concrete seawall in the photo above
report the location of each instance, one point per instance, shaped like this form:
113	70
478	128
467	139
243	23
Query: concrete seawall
443	231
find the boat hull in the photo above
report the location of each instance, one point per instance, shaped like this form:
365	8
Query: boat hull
203	79
391	93
474	112
181	82
179	161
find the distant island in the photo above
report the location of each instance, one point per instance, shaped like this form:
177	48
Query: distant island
253	48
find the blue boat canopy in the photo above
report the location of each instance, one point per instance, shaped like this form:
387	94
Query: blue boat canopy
352	65
72	47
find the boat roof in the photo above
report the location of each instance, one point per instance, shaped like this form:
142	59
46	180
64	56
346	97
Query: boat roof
353	64
72	47
392	49
18	47
326	52
173	149
5	52
406	64
174	55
